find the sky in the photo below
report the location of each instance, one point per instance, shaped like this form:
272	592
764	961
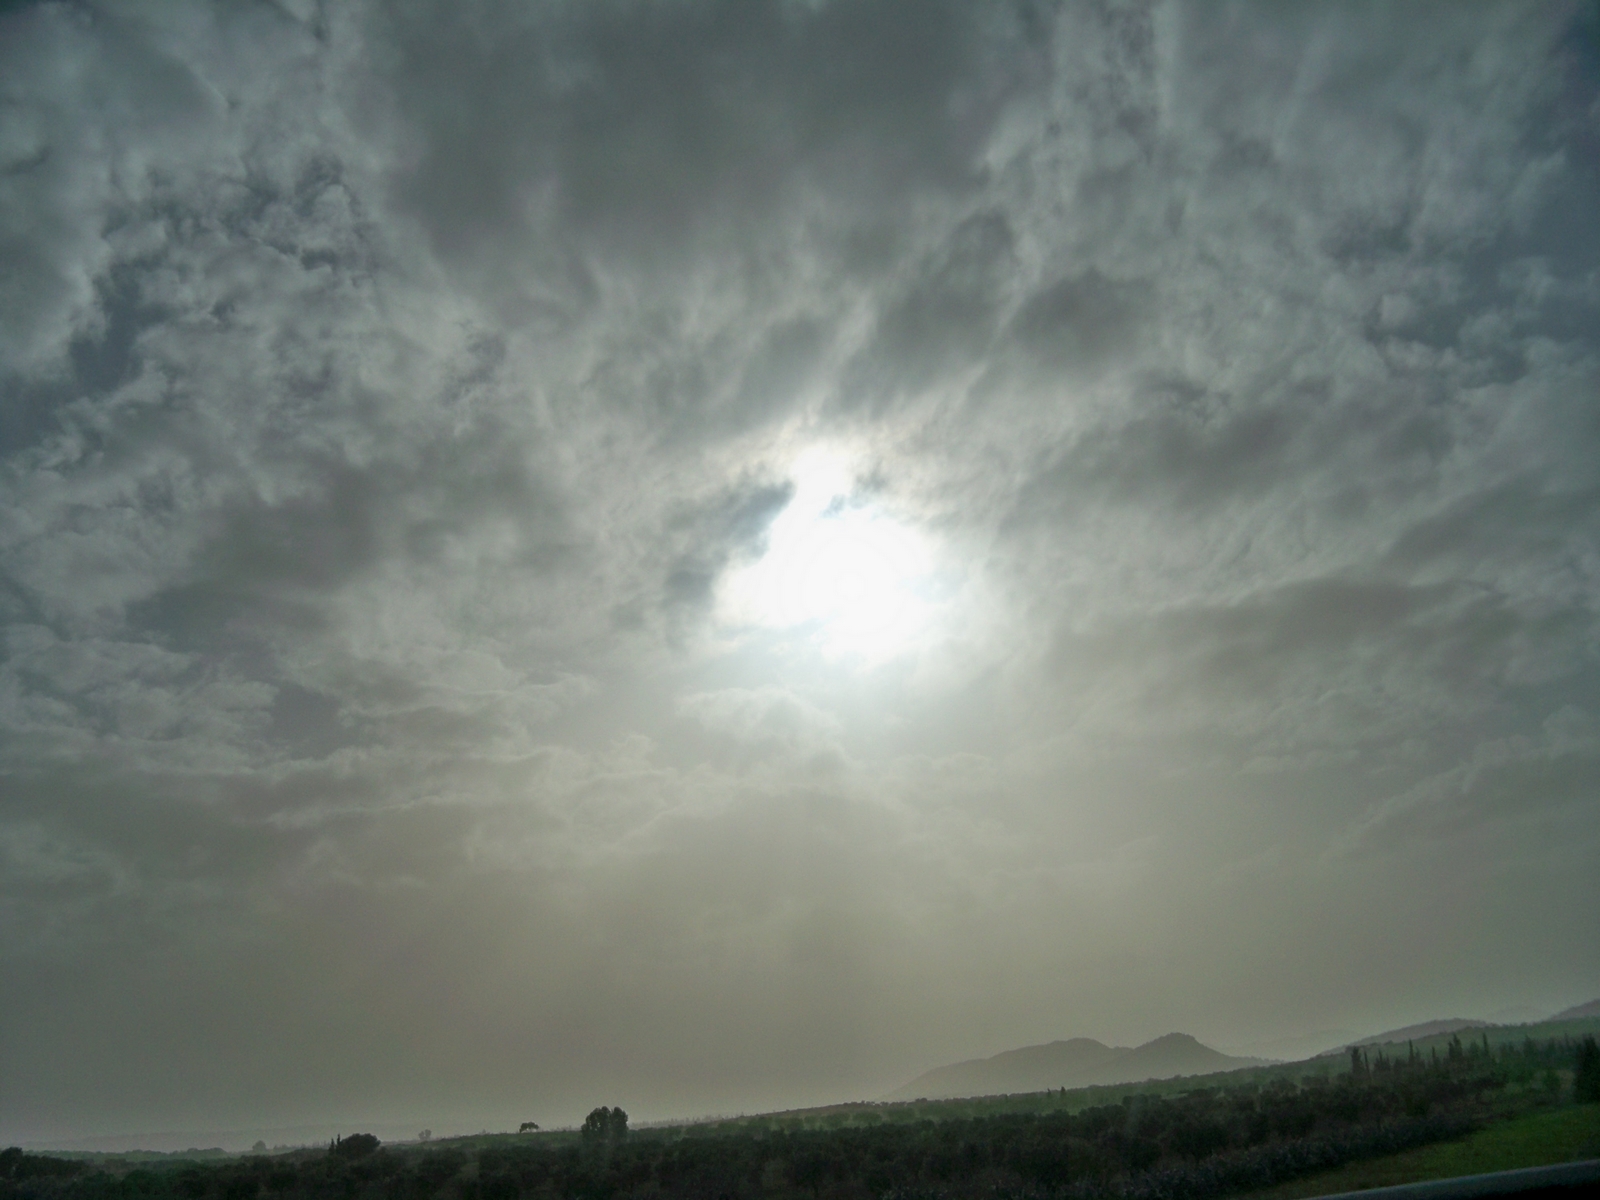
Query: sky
714	556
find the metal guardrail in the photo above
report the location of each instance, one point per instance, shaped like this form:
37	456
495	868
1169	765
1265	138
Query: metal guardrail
1499	1183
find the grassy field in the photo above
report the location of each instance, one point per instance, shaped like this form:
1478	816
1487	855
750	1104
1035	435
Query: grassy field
1564	1135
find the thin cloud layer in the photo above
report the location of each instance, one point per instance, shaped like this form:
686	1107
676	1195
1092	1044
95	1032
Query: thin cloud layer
394	397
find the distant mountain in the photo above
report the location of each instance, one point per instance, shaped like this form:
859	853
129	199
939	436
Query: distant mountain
1409	1033
1077	1062
1297	1048
1031	1069
1518	1014
1591	1009
1173	1054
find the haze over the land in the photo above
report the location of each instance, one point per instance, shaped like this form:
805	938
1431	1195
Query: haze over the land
716	556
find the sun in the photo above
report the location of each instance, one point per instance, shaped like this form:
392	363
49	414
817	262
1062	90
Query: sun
836	569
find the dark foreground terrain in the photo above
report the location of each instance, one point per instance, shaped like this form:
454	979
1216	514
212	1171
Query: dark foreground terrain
1211	1142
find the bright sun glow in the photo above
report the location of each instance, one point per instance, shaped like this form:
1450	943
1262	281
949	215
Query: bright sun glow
842	571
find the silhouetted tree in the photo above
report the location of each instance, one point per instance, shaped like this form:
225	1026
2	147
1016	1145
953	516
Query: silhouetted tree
595	1124
605	1125
1586	1080
357	1145
1358	1065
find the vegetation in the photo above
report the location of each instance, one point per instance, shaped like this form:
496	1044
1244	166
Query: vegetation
1565	1134
604	1126
1586	1078
357	1145
1208	1141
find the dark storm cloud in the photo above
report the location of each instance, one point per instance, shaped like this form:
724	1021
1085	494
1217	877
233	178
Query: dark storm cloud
395	397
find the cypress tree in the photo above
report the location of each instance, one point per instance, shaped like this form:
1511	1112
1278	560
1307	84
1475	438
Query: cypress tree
1586	1079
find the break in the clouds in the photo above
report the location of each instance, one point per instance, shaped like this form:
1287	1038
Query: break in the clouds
705	556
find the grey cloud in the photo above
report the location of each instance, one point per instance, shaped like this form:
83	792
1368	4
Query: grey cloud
1334	660
1078	323
1199	457
638	131
789	356
390	392
942	322
729	528
308	722
1518	518
770	721
1530	777
56	174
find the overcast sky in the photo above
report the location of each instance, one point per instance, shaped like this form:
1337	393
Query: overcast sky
713	556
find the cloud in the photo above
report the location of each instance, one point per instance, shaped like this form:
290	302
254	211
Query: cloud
1525	776
390	391
769	719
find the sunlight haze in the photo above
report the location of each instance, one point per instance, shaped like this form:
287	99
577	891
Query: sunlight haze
836	568
716	556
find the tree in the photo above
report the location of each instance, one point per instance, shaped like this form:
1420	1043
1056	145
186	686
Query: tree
357	1145
605	1126
1586	1079
528	1127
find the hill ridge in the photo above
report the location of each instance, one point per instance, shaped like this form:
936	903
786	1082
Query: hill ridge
1071	1062
1590	1008
1422	1029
